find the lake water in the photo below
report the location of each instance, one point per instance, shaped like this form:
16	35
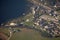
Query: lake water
11	9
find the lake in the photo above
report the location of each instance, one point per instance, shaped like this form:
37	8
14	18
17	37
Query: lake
10	9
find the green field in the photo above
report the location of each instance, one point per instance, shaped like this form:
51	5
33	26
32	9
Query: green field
29	34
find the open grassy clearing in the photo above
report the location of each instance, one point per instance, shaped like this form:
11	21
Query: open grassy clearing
30	18
29	34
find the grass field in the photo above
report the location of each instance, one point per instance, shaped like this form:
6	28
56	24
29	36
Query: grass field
29	34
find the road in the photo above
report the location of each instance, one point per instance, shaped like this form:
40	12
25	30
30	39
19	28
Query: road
10	34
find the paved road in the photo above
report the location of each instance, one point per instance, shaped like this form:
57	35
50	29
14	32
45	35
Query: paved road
10	34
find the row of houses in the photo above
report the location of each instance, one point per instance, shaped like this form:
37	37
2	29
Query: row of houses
49	27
